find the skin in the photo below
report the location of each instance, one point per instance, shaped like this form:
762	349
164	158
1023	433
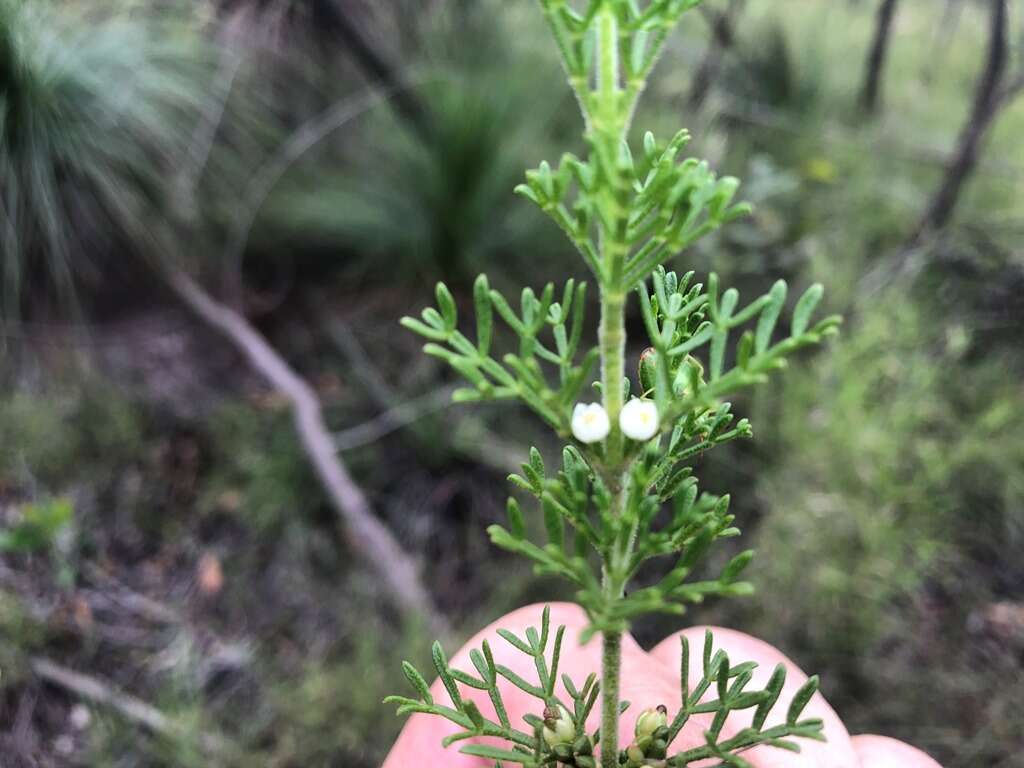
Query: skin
649	678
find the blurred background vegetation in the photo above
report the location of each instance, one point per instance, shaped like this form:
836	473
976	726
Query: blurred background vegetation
315	165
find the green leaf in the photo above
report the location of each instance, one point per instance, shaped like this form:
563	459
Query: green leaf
745	349
800	700
502	307
537	462
496	753
519	682
736	566
474	714
423	329
773	690
516	524
417	681
770	315
446	304
709	642
684	669
510	638
805	308
718	352
441	665
553	521
484	314
722	678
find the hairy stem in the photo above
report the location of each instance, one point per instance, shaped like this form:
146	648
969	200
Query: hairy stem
611	663
609	130
608	65
612	340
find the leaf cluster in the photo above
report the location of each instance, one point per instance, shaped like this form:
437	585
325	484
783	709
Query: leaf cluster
655	203
681	319
527	746
642	27
723	688
688	325
549	333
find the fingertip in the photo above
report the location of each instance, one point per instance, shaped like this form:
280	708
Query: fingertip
419	743
884	752
836	752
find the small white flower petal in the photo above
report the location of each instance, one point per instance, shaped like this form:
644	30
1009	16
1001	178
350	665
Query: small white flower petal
590	423
639	420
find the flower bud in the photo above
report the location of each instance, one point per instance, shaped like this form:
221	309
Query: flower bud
583	746
639	420
651	720
658	749
590	423
634	754
648	370
558	726
690	371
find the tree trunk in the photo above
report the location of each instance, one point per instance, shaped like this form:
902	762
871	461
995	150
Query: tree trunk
988	100
874	68
367	536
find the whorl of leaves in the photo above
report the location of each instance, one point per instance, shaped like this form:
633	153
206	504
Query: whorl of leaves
723	688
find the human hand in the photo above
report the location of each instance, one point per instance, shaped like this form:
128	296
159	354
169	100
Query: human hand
649	678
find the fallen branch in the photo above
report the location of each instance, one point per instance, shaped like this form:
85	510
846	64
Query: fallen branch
367	536
130	707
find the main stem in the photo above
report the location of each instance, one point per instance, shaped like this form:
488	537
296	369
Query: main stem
611	667
609	126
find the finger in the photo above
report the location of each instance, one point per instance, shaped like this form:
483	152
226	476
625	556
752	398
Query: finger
837	752
419	743
883	752
644	683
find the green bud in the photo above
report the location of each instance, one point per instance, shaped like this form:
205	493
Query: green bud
651	720
658	749
562	751
558	726
648	371
583	746
689	373
635	755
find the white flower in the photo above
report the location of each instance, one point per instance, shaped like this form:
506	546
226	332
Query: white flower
590	423
639	420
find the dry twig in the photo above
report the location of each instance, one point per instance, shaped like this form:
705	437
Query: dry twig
130	707
365	533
